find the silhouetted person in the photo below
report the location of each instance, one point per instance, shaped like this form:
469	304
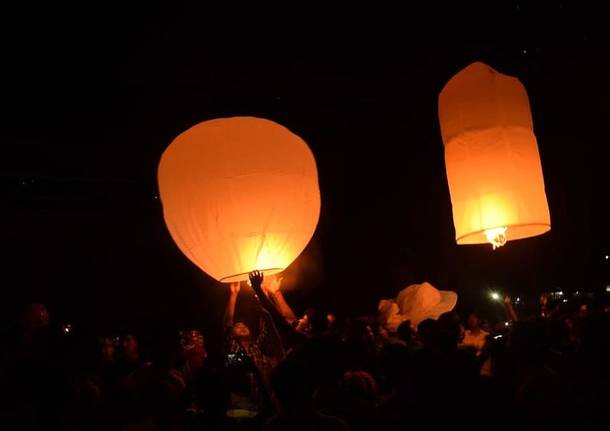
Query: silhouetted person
450	327
212	398
537	387
108	349
398	406
87	406
359	344
293	387
156	388
249	360
314	323
193	353
429	333
405	333
130	358
35	383
333	325
474	336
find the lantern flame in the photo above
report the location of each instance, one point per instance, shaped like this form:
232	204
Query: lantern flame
496	236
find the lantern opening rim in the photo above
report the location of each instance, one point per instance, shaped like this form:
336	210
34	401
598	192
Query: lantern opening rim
242	276
544	228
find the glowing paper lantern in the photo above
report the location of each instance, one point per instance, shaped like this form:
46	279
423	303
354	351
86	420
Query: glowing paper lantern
491	157
239	194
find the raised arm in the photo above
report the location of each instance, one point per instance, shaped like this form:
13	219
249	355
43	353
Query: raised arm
288	333
273	289
256	280
229	317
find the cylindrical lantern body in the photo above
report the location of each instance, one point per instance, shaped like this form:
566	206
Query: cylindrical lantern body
491	157
239	194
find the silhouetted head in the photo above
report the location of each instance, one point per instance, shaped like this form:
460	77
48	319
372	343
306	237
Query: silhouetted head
317	321
130	346
34	317
451	332
359	344
193	348
360	384
292	382
164	346
107	348
474	321
429	332
405	332
212	394
332	322
395	363
583	310
241	330
528	342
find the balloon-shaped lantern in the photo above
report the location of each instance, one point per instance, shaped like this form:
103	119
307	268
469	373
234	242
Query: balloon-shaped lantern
491	157
239	194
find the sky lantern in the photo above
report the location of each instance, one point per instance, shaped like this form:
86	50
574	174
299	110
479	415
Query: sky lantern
239	194
491	157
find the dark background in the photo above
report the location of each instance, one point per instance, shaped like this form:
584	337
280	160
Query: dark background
92	98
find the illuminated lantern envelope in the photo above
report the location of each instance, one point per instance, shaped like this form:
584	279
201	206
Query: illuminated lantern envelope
491	156
239	194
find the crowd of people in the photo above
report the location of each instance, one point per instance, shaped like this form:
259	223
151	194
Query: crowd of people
316	372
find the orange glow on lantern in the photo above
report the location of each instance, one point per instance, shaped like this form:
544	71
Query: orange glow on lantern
239	194
491	158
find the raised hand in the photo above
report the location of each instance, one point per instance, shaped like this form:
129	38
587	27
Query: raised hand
256	279
273	285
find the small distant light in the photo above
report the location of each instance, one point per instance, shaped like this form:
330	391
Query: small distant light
608	288
560	293
155	197
577	293
524	51
518	299
506	323
607	257
495	296
565	300
23	183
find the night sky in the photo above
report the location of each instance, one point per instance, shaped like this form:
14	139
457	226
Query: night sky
90	104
